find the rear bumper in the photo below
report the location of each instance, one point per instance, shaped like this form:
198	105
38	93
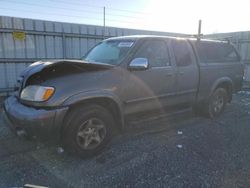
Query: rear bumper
38	123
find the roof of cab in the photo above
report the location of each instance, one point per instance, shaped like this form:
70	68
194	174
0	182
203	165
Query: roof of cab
137	37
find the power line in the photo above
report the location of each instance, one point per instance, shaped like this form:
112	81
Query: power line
35	12
130	11
95	6
76	10
46	6
66	15
84	11
124	16
66	2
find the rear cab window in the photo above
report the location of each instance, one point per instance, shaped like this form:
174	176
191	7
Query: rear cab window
210	52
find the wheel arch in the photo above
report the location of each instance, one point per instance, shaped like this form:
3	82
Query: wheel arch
225	83
104	99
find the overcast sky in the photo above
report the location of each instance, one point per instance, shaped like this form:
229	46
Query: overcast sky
162	15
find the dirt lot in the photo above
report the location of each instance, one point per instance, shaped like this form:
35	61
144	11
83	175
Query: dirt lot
182	151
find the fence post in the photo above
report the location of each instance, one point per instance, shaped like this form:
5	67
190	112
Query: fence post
104	24
64	45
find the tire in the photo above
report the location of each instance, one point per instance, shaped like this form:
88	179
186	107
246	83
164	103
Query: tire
216	103
87	130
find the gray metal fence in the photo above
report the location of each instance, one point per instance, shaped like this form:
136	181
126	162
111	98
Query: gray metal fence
48	40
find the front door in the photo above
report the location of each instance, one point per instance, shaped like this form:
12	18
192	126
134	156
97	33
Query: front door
154	87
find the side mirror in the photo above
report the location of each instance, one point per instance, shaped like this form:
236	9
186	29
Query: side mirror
138	64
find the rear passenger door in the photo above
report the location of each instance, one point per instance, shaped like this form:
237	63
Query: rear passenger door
187	71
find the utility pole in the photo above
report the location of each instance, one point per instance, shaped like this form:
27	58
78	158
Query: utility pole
104	24
199	31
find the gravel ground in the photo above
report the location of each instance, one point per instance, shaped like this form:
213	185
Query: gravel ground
182	151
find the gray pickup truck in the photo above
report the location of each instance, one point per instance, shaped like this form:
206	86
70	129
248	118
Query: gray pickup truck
82	103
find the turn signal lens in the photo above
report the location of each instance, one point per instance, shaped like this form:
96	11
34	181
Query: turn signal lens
37	93
48	93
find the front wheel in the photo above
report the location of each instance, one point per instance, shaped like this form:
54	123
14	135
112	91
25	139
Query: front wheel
216	103
87	130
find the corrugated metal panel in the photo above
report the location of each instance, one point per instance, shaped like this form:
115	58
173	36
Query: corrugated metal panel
8	44
2	76
11	75
1	46
83	29
58	47
99	31
49	26
20	49
30	46
49	46
91	43
83	46
244	50
68	47
247	73
66	28
6	22
111	31
40	46
91	30
125	32
76	47
75	29
18	23
39	26
58	27
20	67
28	24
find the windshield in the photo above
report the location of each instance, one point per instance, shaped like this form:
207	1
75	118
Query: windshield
110	52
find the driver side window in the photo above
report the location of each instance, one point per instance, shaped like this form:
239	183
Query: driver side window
156	52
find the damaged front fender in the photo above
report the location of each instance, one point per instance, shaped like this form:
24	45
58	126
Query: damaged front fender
66	76
97	96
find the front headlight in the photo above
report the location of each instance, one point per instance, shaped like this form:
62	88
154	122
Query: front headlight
37	93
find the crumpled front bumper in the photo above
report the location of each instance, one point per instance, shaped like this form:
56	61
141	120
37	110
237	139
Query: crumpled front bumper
41	123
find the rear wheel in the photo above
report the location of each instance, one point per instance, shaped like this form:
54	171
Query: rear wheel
87	130
216	103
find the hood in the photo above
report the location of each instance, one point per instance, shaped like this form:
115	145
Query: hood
41	71
76	64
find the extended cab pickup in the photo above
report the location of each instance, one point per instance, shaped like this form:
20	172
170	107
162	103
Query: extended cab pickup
82	102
